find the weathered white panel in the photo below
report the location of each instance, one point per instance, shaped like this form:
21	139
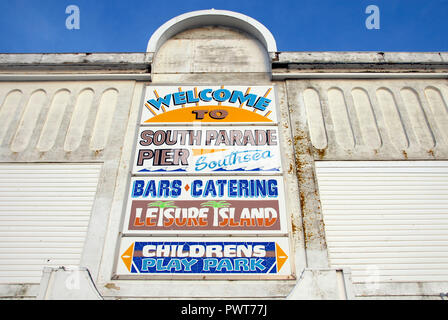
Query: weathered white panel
315	118
235	55
172	56
10	105
439	109
392	117
417	117
369	130
103	123
389	119
63	125
79	120
387	221
28	121
54	119
44	215
209	50
341	122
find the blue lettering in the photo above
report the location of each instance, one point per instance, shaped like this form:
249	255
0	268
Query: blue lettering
225	263
203	95
164	188
252	188
158	103
210	189
232	192
191	98
243	188
209	263
262	103
206	95
256	264
137	190
188	264
195	192
272	188
176	188
212	164
239	96
150	189
260	188
266	154
221	184
160	266
241	263
148	263
221	95
234	158
200	165
174	263
179	98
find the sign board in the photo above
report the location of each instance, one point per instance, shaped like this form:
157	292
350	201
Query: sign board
209	104
207	150
201	205
206	196
219	257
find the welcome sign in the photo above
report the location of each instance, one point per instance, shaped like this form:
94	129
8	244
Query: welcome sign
206	196
207	150
201	258
204	205
209	104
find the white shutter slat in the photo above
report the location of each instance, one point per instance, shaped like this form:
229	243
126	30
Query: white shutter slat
387	216
44	216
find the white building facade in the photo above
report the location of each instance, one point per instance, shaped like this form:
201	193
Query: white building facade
357	145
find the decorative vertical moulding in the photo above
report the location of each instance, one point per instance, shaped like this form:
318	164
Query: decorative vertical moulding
104	118
7	110
315	118
53	121
29	120
79	120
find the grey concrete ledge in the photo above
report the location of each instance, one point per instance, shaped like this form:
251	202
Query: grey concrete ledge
287	62
74	77
282	62
359	57
136	62
359	75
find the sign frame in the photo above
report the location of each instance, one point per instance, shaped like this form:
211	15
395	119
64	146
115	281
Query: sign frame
126	252
150	110
207	150
187	182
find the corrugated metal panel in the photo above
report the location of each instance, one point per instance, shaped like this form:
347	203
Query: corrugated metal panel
387	221
44	215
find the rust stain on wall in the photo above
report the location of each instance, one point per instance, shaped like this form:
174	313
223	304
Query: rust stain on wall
112	286
405	154
312	220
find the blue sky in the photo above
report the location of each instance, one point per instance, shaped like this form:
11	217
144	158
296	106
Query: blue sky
28	26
